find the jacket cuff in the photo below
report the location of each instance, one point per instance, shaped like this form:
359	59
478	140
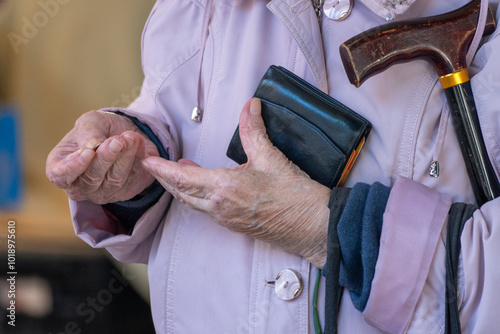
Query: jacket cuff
413	221
94	227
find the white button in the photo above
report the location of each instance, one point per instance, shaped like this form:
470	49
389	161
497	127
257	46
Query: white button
337	10
288	285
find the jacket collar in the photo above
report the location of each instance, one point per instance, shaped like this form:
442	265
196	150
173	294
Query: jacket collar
300	19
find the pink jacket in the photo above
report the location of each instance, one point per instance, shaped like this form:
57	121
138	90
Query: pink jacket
205	279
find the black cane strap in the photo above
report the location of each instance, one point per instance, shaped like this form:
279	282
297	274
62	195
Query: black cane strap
458	215
331	269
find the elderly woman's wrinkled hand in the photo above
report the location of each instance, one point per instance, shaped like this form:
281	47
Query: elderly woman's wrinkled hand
268	198
99	160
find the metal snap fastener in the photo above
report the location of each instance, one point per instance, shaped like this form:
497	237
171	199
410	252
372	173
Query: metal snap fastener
338	10
197	114
288	284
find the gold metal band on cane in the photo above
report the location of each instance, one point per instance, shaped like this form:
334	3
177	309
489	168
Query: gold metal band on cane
455	78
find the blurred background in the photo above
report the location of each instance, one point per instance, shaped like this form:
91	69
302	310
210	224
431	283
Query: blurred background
59	59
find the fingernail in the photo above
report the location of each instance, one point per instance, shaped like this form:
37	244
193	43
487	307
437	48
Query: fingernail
130	140
93	144
254	106
149	166
87	155
115	146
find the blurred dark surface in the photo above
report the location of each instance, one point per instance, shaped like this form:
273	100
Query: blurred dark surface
88	295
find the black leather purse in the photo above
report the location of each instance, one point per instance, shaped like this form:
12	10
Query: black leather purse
316	132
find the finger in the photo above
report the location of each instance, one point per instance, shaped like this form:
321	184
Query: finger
63	173
92	129
185	182
121	169
107	154
252	129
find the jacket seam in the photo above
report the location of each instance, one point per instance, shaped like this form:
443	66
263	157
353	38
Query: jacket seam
414	114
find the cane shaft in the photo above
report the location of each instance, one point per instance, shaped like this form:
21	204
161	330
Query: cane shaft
466	122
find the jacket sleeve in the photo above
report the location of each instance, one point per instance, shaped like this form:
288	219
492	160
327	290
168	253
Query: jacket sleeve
413	222
408	289
479	271
92	224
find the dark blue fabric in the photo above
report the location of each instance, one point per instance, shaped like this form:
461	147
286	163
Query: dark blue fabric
148	132
129	212
359	232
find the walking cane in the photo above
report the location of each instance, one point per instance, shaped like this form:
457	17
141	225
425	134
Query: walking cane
443	40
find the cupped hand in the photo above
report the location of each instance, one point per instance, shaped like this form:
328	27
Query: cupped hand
99	160
268	198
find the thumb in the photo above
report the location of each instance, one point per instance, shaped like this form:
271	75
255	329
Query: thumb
252	129
91	130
